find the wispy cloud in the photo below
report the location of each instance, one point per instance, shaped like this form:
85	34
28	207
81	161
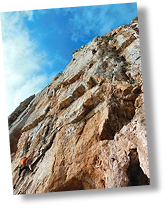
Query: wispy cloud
24	57
88	19
22	61
99	19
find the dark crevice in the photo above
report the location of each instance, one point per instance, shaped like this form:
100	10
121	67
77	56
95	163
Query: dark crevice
137	90
79	91
121	112
122	58
46	132
118	117
94	51
91	83
134	171
90	65
107	132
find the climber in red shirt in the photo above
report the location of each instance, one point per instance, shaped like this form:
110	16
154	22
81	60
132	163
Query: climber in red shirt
23	166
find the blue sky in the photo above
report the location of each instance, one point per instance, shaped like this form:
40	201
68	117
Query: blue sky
37	44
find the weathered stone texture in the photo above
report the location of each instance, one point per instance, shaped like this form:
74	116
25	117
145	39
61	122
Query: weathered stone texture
87	129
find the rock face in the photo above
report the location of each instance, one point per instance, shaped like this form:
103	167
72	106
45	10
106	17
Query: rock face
86	130
23	105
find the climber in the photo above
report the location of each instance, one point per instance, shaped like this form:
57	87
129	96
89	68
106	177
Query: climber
23	166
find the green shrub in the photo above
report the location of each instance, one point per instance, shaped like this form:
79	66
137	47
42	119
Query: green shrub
110	38
136	18
10	127
107	38
132	81
128	63
51	116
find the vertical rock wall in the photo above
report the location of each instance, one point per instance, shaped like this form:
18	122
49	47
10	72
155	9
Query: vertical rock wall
87	130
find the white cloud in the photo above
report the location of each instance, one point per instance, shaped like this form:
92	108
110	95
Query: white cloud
22	62
99	19
89	19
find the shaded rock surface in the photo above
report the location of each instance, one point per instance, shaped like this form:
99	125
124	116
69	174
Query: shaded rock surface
23	105
87	129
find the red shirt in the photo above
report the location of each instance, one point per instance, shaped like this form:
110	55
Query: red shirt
24	161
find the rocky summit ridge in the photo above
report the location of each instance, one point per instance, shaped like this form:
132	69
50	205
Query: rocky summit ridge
86	129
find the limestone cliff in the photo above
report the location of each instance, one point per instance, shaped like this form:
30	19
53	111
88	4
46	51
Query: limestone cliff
86	130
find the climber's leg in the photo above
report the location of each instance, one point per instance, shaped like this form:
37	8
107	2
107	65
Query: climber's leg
24	168
20	170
